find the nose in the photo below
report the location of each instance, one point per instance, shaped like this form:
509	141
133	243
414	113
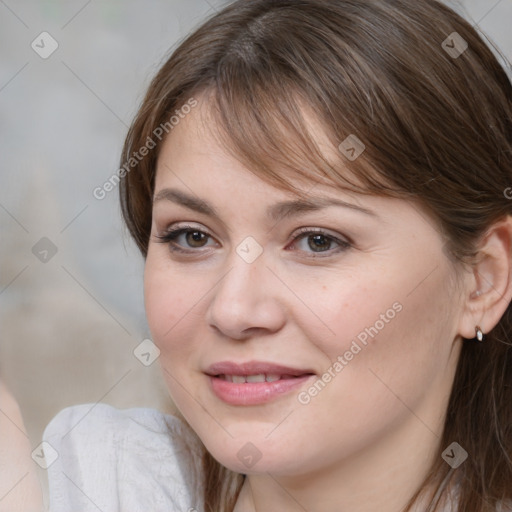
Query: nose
246	301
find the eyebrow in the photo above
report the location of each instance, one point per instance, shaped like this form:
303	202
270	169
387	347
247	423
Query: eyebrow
275	212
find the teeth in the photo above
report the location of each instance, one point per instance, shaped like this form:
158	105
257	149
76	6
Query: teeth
256	378
261	377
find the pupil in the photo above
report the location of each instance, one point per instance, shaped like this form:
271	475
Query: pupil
317	238
195	235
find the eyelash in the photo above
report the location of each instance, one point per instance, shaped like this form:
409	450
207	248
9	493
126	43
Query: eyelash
169	238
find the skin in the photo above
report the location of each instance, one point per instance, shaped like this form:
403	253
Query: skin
20	489
367	440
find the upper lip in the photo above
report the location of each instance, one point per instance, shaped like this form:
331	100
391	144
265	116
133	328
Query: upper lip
253	368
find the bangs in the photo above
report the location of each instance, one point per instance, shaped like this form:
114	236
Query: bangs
285	88
283	136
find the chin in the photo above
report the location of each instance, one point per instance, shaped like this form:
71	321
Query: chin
241	455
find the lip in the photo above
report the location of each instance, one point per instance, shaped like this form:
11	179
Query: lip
254	393
253	368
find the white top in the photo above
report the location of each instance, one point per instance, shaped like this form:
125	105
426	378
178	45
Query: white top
113	460
126	460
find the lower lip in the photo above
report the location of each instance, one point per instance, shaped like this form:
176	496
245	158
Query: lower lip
254	393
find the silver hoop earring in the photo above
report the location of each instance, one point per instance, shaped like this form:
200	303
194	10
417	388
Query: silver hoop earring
479	333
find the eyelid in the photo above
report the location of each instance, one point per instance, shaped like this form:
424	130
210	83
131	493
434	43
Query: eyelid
323	231
173	228
177	230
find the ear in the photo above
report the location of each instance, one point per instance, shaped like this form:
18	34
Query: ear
489	289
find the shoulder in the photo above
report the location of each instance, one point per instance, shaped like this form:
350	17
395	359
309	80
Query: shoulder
105	424
121	459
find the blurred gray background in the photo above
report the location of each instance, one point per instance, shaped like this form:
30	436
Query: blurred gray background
70	278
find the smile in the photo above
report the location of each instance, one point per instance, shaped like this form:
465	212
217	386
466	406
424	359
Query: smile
255	389
260	377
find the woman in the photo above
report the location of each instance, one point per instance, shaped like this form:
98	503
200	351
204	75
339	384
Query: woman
319	190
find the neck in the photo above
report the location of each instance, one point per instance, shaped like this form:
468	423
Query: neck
382	478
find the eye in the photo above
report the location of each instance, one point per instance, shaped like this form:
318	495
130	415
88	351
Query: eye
317	240
193	236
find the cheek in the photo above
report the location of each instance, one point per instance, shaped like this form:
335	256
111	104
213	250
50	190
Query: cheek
175	302
156	299
380	380
170	317
358	311
386	335
167	306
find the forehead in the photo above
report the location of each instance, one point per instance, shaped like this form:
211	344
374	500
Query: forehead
200	141
197	171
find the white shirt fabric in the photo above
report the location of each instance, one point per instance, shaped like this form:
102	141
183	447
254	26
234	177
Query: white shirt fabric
127	460
114	460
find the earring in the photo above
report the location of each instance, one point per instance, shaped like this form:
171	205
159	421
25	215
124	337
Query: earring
479	333
478	293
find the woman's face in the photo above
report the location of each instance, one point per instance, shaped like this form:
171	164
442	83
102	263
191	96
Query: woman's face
357	302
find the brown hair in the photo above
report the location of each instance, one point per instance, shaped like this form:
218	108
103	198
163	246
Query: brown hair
437	127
